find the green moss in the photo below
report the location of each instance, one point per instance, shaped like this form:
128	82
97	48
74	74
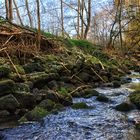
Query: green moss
6	87
33	67
135	86
36	114
20	69
63	91
4	71
135	98
80	106
47	104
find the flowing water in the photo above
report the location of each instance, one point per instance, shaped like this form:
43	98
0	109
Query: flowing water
102	122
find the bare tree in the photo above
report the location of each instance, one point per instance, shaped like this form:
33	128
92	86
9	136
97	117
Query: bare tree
28	13
18	13
39	24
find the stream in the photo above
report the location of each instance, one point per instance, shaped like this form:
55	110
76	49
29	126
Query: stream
102	122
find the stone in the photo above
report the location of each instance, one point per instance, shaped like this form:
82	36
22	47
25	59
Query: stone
26	100
9	102
36	114
116	84
4	71
102	98
124	107
47	104
125	80
84	76
81	105
6	87
33	67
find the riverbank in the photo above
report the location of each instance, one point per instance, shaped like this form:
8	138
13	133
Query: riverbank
34	86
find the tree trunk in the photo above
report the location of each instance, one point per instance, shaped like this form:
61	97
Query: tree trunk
10	10
18	13
62	18
88	19
28	12
39	25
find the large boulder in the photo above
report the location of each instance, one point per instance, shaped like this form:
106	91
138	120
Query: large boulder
124	107
36	114
26	100
102	98
6	87
47	104
41	79
9	102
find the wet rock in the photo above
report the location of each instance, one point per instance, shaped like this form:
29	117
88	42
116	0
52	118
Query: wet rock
6	87
80	106
102	98
36	114
125	80
9	102
26	100
87	93
4	71
33	67
135	98
124	107
116	84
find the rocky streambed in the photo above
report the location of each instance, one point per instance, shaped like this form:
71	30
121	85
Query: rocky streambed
100	121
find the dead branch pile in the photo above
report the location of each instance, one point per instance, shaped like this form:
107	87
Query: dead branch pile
19	40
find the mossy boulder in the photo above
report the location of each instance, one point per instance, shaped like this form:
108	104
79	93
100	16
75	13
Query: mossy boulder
4	71
33	67
22	87
102	98
135	98
116	84
81	105
6	87
40	79
26	100
47	104
124	107
87	93
9	102
36	114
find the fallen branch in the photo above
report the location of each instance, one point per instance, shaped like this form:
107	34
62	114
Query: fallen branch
80	88
98	75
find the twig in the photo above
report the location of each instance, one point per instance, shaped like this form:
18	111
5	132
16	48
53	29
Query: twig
98	75
12	63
